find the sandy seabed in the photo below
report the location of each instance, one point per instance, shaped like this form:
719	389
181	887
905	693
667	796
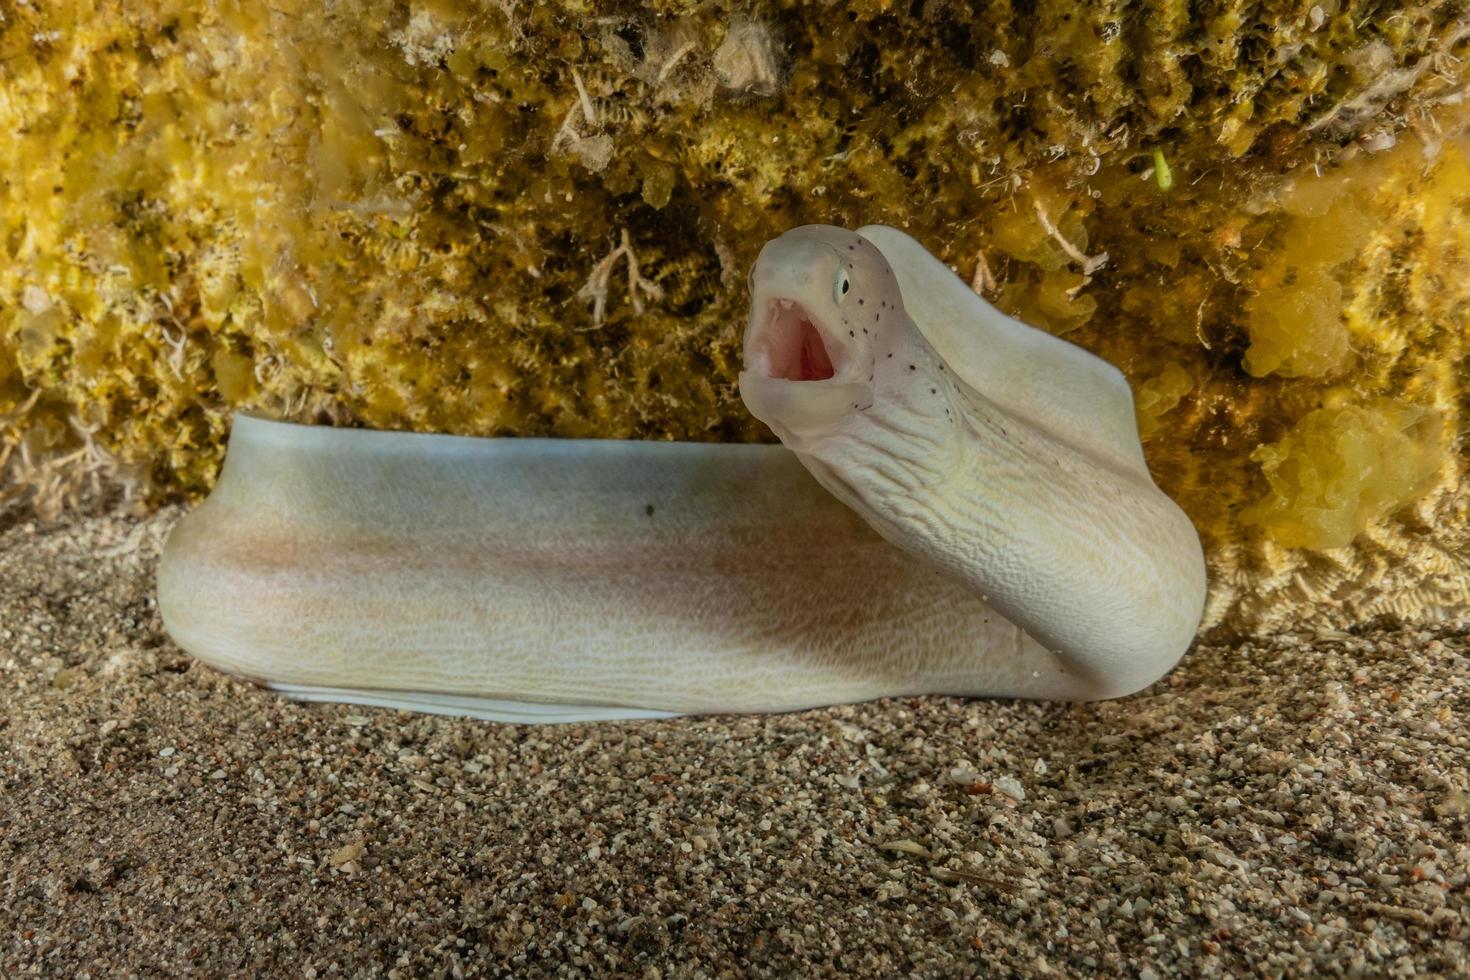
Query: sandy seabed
1289	806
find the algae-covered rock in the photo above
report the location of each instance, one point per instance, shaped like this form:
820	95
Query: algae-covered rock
514	218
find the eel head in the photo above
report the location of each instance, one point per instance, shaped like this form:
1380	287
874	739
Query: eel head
826	328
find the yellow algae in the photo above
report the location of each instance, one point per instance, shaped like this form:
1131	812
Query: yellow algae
1159	395
1296	317
234	375
1171	299
1296	324
1341	469
1052	300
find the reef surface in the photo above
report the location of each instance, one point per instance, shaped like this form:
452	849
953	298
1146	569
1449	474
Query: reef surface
535	219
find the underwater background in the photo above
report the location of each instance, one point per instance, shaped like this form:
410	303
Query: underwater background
521	218
537	219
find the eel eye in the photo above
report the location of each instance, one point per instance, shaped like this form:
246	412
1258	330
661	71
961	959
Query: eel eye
841	286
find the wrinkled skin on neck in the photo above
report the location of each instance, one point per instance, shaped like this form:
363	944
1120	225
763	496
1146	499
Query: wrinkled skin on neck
840	373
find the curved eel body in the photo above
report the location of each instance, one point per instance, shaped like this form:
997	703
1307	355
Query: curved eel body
1004	457
560	580
991	530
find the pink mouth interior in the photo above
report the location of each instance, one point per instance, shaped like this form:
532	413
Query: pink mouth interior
794	348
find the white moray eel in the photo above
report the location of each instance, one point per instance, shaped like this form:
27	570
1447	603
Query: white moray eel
561	580
1003	456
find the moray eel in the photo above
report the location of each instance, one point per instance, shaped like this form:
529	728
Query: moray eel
990	530
1004	457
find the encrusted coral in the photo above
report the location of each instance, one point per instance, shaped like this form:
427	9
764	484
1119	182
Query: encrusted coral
502	218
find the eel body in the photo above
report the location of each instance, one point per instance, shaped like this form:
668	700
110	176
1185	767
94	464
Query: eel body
560	580
981	523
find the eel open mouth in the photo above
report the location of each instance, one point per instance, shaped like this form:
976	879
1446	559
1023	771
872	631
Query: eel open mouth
793	378
789	345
